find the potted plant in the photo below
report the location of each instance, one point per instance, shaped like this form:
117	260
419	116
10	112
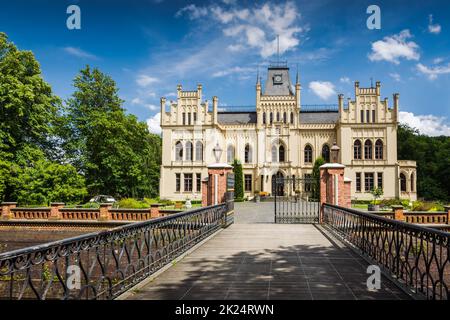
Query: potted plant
257	197
376	193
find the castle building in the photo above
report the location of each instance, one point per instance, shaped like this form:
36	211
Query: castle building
280	137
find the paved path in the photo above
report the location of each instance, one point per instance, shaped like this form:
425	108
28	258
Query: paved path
256	259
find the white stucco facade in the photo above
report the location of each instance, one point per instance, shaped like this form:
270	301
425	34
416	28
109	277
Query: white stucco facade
279	137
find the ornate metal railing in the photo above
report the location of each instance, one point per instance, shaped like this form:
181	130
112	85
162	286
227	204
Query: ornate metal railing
417	257
103	265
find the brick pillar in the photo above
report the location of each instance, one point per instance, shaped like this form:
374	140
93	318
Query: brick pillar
154	210
398	213
216	187
332	186
205	192
6	210
55	214
348	192
447	208
105	215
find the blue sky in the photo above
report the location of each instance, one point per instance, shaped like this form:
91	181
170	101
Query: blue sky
149	46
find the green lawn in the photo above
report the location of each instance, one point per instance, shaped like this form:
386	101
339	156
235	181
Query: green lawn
360	206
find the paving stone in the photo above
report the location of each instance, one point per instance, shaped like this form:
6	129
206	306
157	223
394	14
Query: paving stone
256	259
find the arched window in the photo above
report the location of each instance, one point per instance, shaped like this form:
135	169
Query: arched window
357	154
281	157
189	150
284	117
412	182
199	151
308	154
326	153
402	182
379	150
292	118
248	154
178	151
271	118
230	154
278	116
264	118
274	153
368	150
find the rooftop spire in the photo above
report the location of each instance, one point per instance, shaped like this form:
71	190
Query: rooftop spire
296	78
278	49
258	80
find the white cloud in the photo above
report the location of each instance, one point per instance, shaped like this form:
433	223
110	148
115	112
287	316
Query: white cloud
395	47
153	123
395	76
77	52
229	71
256	27
152	107
137	101
345	80
426	124
438	60
433	28
192	11
323	90
433	72
144	80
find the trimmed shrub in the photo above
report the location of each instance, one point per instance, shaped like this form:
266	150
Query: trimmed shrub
130	203
238	181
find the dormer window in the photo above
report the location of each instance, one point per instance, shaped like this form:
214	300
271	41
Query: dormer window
277	79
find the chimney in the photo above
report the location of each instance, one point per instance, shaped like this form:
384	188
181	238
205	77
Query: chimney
163	110
341	102
199	91
215	107
356	88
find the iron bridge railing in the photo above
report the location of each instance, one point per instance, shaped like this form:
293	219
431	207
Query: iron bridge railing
104	264
417	257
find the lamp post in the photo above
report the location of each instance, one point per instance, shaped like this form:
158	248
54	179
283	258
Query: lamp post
335	153
217	152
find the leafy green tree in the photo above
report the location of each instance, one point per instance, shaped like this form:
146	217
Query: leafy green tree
432	155
238	180
115	152
29	114
316	177
47	181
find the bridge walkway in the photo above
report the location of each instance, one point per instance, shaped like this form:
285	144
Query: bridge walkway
257	259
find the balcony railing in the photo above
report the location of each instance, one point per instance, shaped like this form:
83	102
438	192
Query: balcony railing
104	264
416	256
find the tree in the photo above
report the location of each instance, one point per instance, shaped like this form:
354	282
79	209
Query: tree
238	180
29	112
432	155
376	193
316	177
115	152
47	181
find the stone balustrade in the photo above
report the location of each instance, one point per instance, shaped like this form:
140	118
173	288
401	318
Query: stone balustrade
57	211
417	217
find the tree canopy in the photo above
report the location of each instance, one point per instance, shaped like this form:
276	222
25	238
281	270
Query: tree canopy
55	151
28	115
433	161
113	150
